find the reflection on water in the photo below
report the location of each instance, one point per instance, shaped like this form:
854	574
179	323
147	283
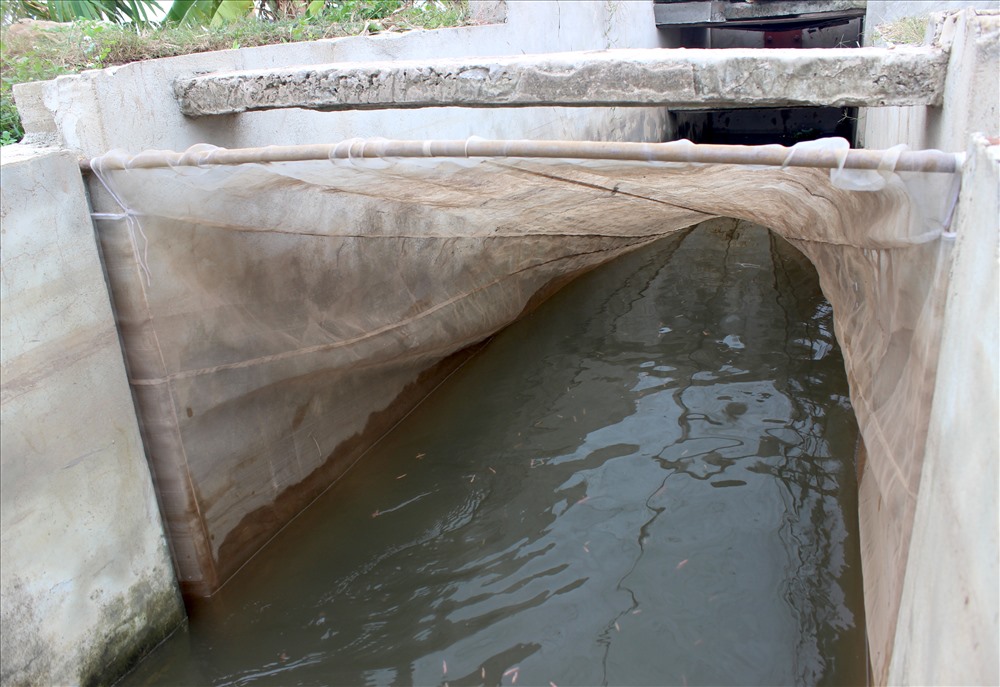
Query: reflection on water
648	481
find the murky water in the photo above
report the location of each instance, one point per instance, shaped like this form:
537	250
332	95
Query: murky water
648	481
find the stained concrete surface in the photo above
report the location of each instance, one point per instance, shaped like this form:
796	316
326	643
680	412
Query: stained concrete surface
916	650
86	581
952	571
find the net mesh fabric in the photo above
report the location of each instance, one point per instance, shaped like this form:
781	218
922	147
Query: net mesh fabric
287	304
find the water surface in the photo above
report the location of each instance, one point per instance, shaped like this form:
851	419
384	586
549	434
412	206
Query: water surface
647	481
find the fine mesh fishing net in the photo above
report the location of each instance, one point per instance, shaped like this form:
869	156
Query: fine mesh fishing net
278	318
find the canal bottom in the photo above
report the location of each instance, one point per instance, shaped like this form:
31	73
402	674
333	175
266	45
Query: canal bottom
647	481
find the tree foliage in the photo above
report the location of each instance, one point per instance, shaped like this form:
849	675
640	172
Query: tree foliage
124	31
117	11
215	12
202	12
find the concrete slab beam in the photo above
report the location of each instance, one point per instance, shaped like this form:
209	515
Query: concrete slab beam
678	79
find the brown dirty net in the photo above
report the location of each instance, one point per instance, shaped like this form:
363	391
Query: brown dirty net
277	318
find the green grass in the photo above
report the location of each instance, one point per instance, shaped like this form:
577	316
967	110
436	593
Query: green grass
47	49
905	31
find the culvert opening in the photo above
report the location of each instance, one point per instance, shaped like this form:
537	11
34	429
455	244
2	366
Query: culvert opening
761	126
771	25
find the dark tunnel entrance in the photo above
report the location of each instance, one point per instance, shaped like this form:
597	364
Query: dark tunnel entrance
762	25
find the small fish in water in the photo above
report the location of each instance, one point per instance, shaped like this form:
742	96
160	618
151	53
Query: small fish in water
444	667
617	626
491	470
376	513
483	672
682	564
401	476
472	480
283	657
420	455
585	547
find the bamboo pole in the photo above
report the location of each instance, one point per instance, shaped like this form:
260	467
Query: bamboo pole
674	151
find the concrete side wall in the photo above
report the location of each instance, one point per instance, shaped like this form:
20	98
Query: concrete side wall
947	625
86	582
133	107
948	631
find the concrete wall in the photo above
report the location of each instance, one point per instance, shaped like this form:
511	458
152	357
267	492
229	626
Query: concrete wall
146	115
948	630
86	582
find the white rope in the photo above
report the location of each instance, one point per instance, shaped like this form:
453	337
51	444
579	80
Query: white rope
130	216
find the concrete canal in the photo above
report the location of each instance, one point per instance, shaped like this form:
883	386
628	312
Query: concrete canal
649	480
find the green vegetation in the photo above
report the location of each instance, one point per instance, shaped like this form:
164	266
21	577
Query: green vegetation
905	31
41	50
116	11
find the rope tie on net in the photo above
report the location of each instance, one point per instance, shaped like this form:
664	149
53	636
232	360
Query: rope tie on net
131	217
